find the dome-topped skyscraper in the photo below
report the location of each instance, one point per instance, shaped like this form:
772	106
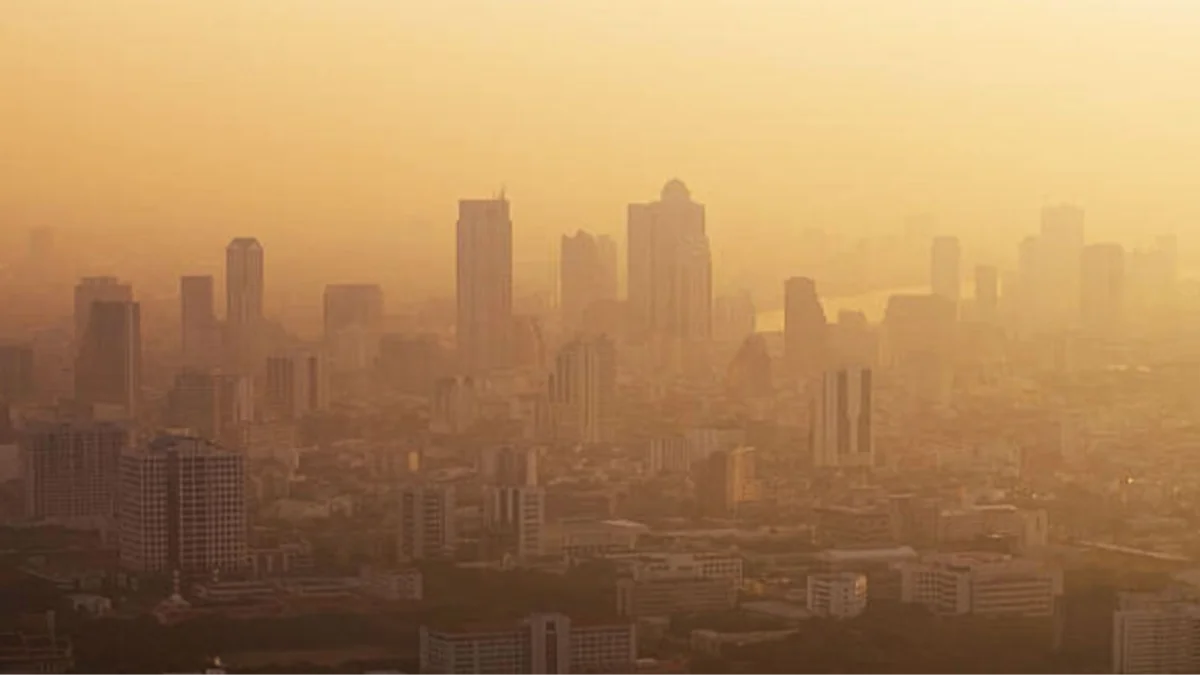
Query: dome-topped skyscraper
675	190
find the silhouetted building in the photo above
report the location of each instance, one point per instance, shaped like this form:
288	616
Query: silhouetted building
734	318
1102	289
945	276
91	290
412	363
749	374
296	385
587	274
71	469
16	373
244	322
353	326
843	433
515	519
1059	260
670	277
725	480
484	284
201	333
427	522
183	507
528	347
918	346
509	465
108	371
194	403
805	340
583	389
987	292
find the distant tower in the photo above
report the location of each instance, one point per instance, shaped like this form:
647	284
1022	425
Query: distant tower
297	384
1060	250
587	274
199	327
583	389
484	284
244	284
987	292
1102	289
353	326
70	470
944	268
842	430
427	522
804	329
96	289
108	370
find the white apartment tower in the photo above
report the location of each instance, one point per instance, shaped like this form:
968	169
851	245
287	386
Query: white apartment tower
484	284
842	426
183	507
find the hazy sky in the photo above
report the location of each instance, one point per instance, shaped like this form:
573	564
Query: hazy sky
370	118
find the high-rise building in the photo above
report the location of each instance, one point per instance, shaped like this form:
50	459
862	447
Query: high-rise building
1102	289
201	335
509	465
183	507
71	469
840	595
541	643
725	481
296	385
749	373
108	370
427	525
244	285
587	274
90	290
583	389
16	373
194	403
842	421
734	318
412	363
918	338
805	339
484	284
670	274
945	276
353	325
1156	632
515	515
987	292
1059	254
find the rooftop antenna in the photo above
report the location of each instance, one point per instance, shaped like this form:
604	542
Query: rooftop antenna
502	192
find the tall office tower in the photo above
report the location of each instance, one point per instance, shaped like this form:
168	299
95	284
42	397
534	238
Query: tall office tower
183	507
987	292
734	318
427	525
749	373
194	403
516	516
670	269
484	284
1102	289
509	465
91	290
16	373
945	261
244	283
587	274
201	334
852	341
842	427
412	363
725	481
296	385
71	469
454	407
108	370
917	346
805	339
583	389
1059	252
353	326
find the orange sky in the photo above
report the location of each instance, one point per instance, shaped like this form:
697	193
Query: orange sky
369	118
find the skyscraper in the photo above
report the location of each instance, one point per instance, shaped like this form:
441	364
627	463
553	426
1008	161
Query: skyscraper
353	325
842	431
183	507
16	373
670	272
108	370
987	292
200	331
515	515
1102	289
509	465
296	384
244	283
726	479
917	346
583	389
90	290
944	268
1059	252
194	403
484	284
427	525
71	469
805	340
587	274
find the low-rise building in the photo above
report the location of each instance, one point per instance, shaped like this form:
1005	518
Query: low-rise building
840	595
986	584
